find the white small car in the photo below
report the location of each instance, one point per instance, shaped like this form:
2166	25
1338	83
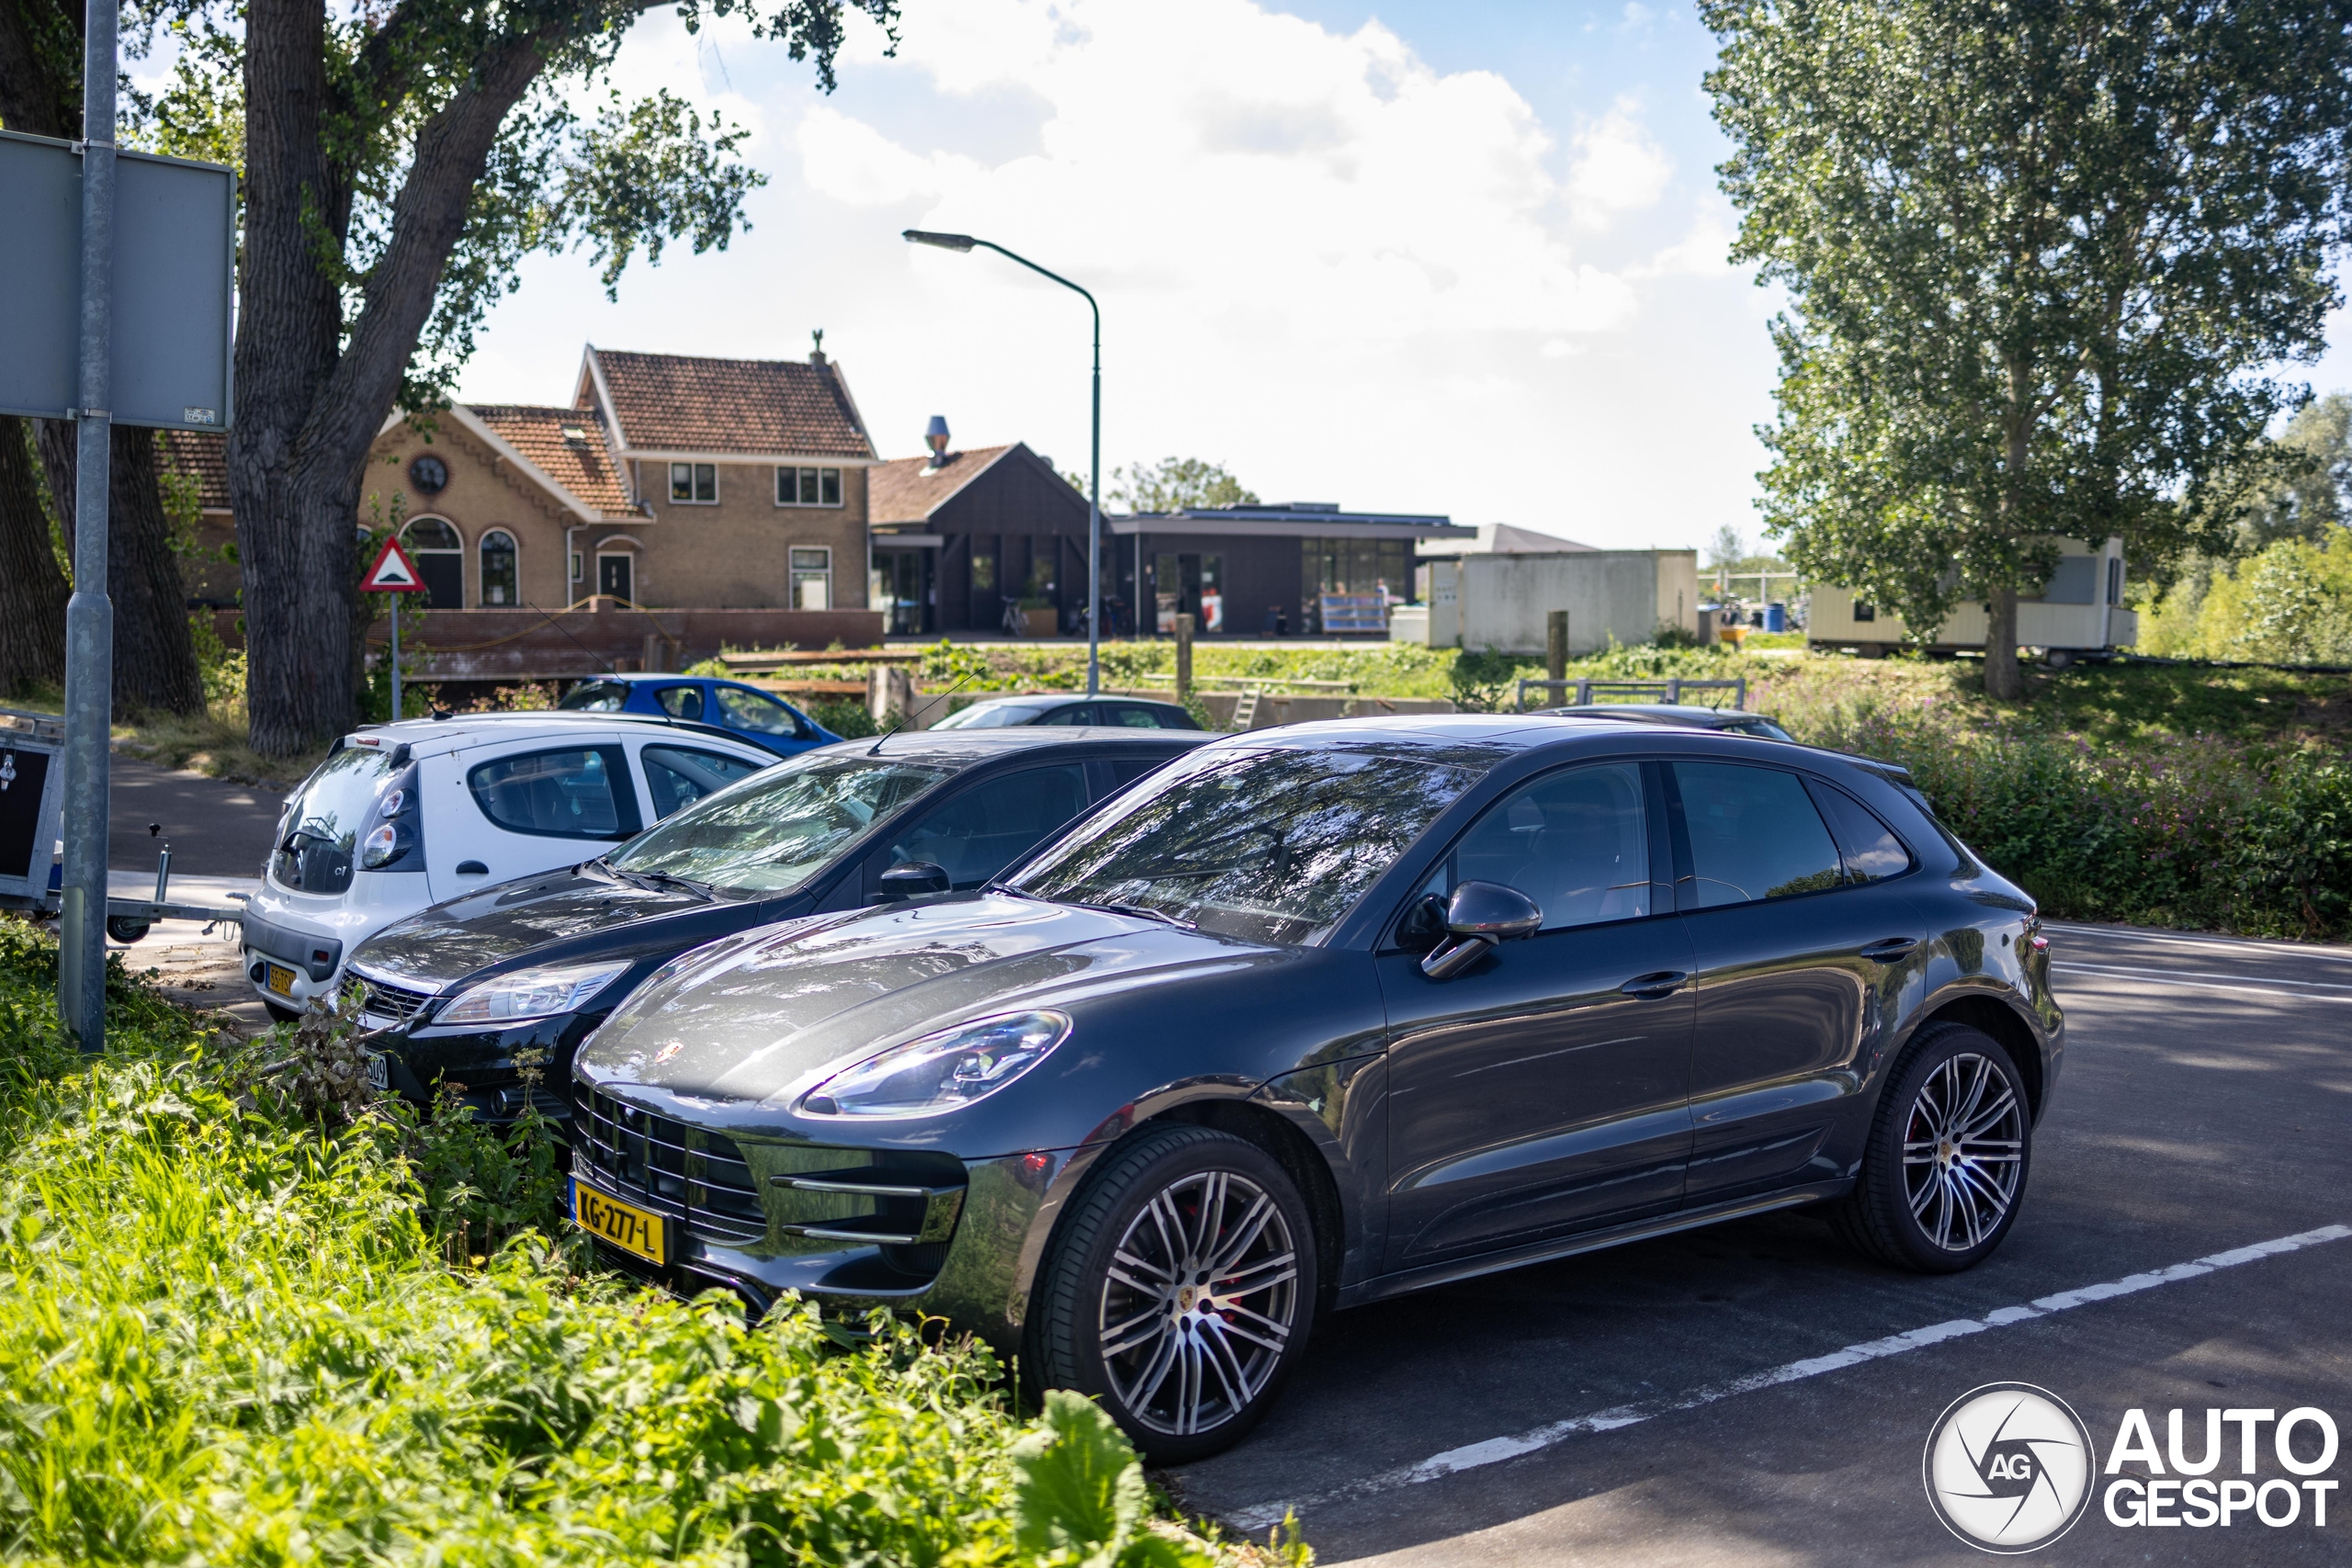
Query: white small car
403	816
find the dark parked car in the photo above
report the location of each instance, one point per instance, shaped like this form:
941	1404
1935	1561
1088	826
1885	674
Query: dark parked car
1123	712
455	991
1730	721
1321	1014
743	711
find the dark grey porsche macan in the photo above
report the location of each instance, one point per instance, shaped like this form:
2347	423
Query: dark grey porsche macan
1318	1015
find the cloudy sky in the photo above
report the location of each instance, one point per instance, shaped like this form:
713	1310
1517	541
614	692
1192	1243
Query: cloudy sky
1463	257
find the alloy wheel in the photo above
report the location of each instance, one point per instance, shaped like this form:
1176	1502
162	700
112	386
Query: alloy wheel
1200	1301
1963	1144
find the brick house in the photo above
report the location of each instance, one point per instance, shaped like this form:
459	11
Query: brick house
670	481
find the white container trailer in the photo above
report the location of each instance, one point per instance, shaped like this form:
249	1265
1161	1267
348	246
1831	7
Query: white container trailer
1500	602
2080	609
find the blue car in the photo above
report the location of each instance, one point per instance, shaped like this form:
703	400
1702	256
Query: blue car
746	711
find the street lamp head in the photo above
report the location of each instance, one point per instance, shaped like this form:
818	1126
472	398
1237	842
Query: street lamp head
944	242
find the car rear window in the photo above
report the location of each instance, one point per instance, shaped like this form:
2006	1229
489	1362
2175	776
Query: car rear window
334	806
1270	845
576	792
596	696
990	715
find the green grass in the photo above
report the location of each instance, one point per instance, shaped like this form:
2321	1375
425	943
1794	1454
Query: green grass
239	1331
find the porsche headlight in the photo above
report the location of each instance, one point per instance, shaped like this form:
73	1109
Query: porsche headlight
944	1071
531	993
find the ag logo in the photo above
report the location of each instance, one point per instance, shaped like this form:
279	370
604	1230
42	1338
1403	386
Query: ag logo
2009	1467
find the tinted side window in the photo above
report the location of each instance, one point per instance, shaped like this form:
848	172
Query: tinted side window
978	832
1576	841
578	793
1754	834
1134	715
749	710
677	776
1075	713
1872	852
680	702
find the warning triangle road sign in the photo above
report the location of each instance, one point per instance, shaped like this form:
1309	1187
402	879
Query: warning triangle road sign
393	572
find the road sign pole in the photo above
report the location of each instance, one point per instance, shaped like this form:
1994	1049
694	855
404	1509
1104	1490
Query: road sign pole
396	661
89	616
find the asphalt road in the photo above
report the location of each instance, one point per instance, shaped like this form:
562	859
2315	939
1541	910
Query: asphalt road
1756	1400
217	828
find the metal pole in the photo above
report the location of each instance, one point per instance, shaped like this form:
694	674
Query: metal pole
396	658
89	616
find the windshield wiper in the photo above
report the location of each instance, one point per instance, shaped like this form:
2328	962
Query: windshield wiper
652	879
1137	909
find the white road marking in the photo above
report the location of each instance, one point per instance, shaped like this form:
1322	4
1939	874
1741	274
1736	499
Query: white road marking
1494	1451
2269	949
2305	991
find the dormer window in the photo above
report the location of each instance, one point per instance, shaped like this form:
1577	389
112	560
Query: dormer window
807	487
694	484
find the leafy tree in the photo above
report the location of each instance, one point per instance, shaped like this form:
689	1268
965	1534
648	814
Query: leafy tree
155	660
399	162
2037	253
1728	547
1174	484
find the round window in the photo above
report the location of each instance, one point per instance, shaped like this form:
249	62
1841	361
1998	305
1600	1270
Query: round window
429	474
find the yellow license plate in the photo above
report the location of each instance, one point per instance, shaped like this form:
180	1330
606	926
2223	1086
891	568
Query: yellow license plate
632	1229
281	980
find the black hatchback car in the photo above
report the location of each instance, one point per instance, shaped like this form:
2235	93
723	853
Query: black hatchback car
1321	1014
455	991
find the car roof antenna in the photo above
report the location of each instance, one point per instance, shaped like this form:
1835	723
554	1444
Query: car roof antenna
875	748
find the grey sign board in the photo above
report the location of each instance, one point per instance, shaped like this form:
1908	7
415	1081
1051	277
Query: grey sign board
174	270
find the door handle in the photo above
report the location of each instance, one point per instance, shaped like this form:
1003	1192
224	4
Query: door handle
1890	948
1653	988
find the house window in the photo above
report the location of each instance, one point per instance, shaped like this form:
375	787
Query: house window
694	484
812	579
807	487
1865	611
498	577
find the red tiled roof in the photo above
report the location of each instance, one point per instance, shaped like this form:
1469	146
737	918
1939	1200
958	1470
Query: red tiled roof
204	458
581	464
907	490
675	402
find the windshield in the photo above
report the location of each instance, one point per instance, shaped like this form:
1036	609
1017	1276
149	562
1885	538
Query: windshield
334	806
989	715
1273	845
775	829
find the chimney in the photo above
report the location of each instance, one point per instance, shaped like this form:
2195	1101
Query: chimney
935	438
817	353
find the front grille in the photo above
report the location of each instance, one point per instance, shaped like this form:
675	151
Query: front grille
676	1165
395	1002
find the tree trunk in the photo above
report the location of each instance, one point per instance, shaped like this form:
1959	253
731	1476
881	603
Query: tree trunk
2003	680
309	399
33	591
154	656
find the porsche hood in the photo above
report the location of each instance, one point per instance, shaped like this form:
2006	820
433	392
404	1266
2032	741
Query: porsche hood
767	1014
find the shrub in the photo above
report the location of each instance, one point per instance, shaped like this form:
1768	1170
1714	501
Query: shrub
235	1337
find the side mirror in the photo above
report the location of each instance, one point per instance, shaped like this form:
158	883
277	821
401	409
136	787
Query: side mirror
1480	917
910	878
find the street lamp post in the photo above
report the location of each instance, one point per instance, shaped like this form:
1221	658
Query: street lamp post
1094	499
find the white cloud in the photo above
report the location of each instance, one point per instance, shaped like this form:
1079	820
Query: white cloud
1618	168
1704	252
1342	272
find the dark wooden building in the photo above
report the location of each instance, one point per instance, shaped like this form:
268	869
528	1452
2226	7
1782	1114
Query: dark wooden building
1265	570
959	539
